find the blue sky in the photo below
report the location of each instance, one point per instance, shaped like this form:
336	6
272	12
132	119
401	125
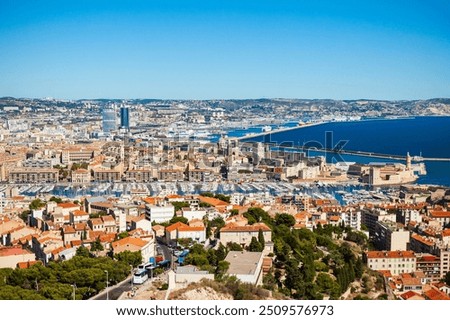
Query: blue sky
225	49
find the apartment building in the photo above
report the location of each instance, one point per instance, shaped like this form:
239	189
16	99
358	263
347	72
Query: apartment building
244	234
396	262
390	236
33	175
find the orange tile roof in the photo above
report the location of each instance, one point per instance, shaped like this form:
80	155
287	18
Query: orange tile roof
189	228
81	226
334	218
410	294
422	239
151	200
93	235
173	196
440	214
175	226
69	229
79	213
26	265
390	254
110	237
213	201
446	233
96	221
434	294
411	281
129	241
76	243
108	219
158	227
12	251
68	205
385	273
231	227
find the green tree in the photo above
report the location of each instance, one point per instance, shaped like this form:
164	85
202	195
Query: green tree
176	219
255	245
221	270
284	219
36	204
122	235
234	212
221	252
447	278
24	215
178	205
55	199
261	238
130	258
207	194
233	246
97	245
82	252
222	197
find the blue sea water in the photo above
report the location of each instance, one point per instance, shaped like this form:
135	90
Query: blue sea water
428	136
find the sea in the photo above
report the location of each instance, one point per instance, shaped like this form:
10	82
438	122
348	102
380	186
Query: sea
427	136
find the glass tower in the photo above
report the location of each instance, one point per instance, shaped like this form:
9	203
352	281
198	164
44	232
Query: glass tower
109	120
125	118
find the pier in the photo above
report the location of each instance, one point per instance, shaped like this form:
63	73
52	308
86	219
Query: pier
361	153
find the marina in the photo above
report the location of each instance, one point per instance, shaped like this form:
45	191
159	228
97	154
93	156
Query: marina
343	193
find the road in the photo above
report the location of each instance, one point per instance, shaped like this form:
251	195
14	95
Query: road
166	251
115	291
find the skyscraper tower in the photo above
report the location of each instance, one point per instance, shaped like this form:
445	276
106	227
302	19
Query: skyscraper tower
109	119
125	118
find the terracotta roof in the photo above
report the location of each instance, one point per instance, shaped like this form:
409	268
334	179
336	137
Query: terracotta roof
96	221
81	226
158	227
81	170
390	254
69	229
231	227
334	218
110	237
12	251
175	226
102	204
79	213
410	281
440	214
173	196
26	265
129	241
385	273
108	219
189	228
434	294
446	233
213	201
68	205
422	239
410	294
151	200
76	243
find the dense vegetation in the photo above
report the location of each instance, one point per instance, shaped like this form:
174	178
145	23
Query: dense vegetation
307	265
58	280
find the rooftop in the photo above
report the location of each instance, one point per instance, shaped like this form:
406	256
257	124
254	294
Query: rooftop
242	262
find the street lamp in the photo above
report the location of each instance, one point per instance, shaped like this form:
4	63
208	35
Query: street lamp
131	279
107	292
74	286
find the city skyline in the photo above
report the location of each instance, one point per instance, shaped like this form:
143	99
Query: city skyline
211	50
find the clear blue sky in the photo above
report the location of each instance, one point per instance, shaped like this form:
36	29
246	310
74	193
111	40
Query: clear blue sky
396	49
